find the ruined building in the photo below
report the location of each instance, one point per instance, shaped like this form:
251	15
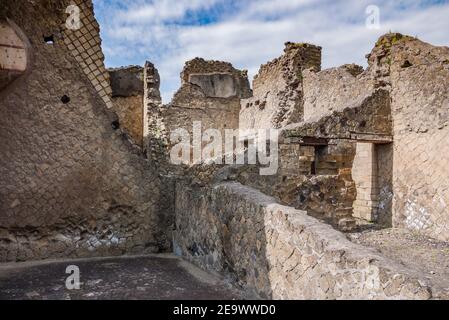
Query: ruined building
363	169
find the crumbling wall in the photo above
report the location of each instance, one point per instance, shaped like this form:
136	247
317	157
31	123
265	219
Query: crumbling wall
313	178
277	252
210	95
127	95
333	90
201	73
278	95
71	184
367	120
418	74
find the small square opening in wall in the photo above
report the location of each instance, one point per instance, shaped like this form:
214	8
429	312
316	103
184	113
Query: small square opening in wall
115	125
65	99
49	39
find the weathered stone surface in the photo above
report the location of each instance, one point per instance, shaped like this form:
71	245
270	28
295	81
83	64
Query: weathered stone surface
278	91
420	109
84	44
126	81
71	185
14	52
370	119
127	86
355	146
199	66
279	252
215	85
333	90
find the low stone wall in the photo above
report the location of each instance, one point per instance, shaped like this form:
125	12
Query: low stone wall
278	252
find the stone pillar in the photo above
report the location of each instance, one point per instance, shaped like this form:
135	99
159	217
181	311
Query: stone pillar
365	176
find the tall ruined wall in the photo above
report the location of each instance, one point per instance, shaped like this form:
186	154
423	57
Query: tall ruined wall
419	78
216	75
277	252
404	184
70	184
278	96
127	86
210	94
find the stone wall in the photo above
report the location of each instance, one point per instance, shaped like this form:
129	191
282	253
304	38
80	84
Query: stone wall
368	120
316	179
201	73
127	95
277	252
333	90
419	76
71	183
316	162
210	95
278	93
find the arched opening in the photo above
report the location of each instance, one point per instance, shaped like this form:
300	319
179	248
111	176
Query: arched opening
13	54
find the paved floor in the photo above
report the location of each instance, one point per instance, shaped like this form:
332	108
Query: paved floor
150	277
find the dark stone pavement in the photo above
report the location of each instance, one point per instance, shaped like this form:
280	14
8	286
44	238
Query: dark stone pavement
160	277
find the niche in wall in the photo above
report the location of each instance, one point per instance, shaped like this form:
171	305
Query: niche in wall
13	54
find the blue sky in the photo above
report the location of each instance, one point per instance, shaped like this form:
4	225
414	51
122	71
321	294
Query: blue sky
248	33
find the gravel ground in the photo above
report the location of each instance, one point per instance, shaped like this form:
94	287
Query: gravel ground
423	254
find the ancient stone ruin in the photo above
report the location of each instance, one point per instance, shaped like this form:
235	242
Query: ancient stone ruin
358	208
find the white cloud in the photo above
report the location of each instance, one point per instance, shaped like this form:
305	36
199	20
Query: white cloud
256	31
161	10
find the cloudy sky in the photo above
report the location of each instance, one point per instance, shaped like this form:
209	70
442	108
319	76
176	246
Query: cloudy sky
248	33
